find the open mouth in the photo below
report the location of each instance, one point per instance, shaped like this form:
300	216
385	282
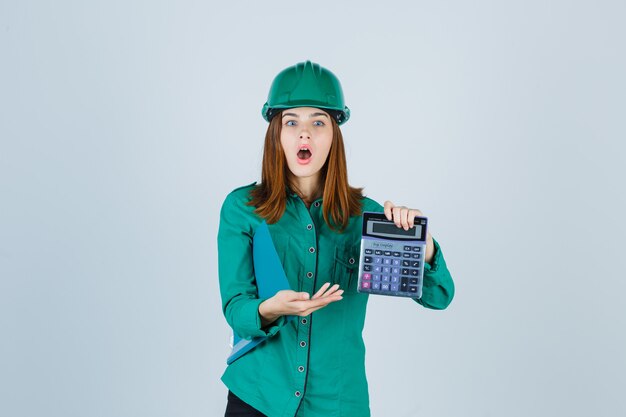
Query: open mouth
304	153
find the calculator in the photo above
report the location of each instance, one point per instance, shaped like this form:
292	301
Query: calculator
392	259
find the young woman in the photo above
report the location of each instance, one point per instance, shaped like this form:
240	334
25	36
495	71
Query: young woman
311	365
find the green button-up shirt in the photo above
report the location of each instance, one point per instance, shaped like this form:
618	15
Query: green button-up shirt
315	365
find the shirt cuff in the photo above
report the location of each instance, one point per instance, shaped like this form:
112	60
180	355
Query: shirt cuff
251	323
436	261
438	286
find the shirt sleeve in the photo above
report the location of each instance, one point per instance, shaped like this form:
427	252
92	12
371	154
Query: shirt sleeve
240	301
438	287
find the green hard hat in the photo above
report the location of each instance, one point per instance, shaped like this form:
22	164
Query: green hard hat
306	84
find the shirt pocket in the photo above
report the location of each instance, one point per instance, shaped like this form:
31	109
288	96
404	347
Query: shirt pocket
345	271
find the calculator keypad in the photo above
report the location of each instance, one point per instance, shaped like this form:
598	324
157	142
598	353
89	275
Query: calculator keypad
392	272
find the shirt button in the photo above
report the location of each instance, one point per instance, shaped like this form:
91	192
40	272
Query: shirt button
300	368
302	344
317	204
303	321
312	249
297	393
309	226
351	260
309	274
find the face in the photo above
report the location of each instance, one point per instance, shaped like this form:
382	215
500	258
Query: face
306	136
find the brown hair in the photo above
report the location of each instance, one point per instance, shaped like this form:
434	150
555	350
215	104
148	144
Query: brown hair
270	196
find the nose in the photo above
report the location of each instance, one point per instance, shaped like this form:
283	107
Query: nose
304	134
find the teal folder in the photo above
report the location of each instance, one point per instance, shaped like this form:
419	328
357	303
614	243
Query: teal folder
270	278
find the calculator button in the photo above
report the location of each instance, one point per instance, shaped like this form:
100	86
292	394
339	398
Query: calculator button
376	285
386	270
365	284
407	248
406	263
404	284
406	255
368	251
395	271
395	279
412	289
396	262
367	267
376	277
378	260
378	252
405	271
367	276
384	287
415	264
387	253
376	268
396	254
416	249
367	259
416	256
394	287
415	272
386	261
385	278
413	281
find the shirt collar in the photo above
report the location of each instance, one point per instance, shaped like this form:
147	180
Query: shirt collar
293	194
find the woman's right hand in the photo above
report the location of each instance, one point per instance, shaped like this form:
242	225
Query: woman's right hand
292	303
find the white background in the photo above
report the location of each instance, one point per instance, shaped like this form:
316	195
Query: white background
123	125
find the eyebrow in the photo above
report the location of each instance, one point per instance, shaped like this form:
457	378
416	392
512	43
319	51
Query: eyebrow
311	115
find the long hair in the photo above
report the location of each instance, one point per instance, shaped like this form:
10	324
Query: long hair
340	200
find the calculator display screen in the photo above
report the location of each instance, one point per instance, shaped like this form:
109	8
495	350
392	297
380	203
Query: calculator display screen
391	228
376	225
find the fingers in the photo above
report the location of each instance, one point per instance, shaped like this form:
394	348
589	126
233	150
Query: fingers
399	214
290	295
388	206
327	294
337	296
321	291
304	308
402	216
311	310
289	302
411	216
323	288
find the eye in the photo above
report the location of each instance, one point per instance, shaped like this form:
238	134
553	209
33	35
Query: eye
320	123
290	121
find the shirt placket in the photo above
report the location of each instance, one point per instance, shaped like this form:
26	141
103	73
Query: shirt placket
309	282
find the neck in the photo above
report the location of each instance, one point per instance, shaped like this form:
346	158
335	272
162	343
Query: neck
307	187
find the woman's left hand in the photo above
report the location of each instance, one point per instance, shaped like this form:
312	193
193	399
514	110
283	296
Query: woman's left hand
403	217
